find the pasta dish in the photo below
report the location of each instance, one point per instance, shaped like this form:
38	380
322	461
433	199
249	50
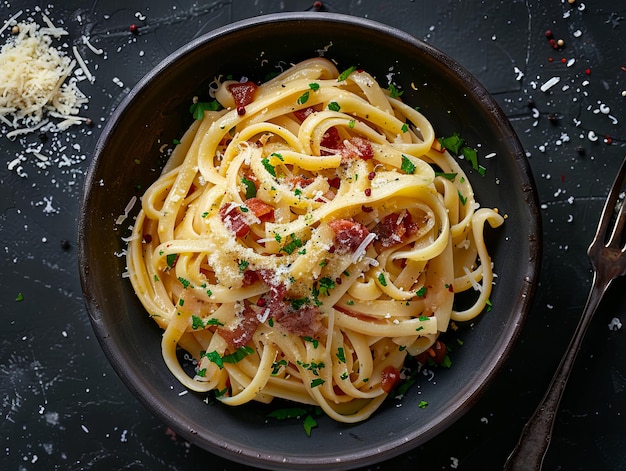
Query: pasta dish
305	237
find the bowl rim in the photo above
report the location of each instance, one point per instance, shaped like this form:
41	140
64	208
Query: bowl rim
466	398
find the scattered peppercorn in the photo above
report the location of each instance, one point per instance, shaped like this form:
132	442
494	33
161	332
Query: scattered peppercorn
15	29
318	6
65	244
88	122
241	110
580	150
133	28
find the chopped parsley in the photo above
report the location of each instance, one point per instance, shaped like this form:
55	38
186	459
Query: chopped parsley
250	187
197	109
314	86
341	356
334	106
317	382
238	354
421	292
326	284
19	297
302	99
243	264
315	342
405	128
292	245
277	365
407	166
422	404
382	280
170	259
346	73
446	175
184	282
394	92
268	166
452	143
462	198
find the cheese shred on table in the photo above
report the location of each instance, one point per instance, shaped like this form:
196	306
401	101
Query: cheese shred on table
35	82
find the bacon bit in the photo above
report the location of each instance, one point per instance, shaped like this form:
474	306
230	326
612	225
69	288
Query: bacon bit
260	208
334	182
234	220
348	234
436	353
243	332
388	378
299	181
243	93
250	277
357	148
367	209
304	113
330	140
393	229
305	322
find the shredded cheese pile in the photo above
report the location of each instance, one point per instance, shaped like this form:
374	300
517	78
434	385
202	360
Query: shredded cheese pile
35	84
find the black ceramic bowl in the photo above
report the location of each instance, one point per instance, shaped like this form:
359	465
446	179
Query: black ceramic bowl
128	158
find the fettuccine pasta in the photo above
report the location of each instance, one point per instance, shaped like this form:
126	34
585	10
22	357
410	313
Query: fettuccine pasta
305	237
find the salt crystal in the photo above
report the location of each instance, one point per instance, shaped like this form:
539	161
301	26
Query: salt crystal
550	83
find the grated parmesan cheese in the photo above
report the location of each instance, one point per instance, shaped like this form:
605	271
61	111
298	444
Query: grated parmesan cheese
35	81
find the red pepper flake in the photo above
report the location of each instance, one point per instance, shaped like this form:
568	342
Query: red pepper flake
368	192
261	302
550	59
548	34
623	68
318	6
367	209
331	249
371	175
588	71
563	60
133	28
608	140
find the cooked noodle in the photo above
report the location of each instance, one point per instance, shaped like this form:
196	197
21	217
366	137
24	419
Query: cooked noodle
306	238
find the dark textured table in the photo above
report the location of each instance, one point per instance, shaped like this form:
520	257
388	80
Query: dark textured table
63	407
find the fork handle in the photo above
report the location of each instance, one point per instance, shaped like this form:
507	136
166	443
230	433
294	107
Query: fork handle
535	438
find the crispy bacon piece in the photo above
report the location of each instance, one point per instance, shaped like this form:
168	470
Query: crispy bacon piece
260	208
357	148
348	234
302	114
330	140
393	229
234	220
436	354
243	93
304	321
243	332
389	377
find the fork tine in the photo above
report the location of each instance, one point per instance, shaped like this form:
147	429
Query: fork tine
615	239
603	234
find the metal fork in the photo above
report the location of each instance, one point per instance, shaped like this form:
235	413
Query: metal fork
607	254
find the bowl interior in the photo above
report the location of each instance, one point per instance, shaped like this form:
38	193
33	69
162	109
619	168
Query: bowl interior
129	156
